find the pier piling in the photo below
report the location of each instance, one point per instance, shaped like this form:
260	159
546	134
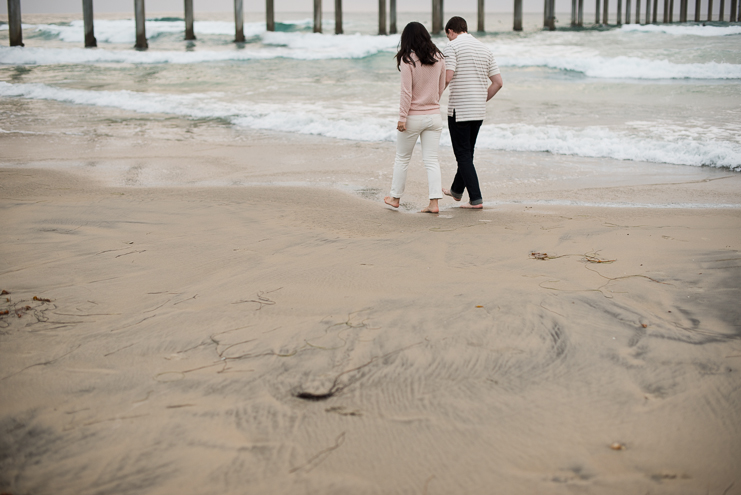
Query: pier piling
683	10
580	15
517	25
697	10
596	10
141	32
238	22
654	15
87	16
627	12
382	17
666	11
605	12
437	16
392	17
317	16
733	11
481	16
14	23
638	11
722	14
338	17
671	11
549	16
573	13
619	12
270	15
189	33
710	10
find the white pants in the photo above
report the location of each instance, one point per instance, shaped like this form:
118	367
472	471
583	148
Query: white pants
428	129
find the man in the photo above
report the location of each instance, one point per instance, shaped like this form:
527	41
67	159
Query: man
474	79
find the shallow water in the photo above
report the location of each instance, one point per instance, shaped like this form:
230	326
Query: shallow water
662	94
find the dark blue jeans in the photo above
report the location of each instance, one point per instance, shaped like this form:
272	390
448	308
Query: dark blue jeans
463	136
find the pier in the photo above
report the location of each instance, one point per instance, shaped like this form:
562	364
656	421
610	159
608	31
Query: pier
602	16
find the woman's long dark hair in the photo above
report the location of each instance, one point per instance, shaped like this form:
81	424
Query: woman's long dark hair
415	38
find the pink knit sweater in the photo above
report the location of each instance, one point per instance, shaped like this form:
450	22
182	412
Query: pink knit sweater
421	87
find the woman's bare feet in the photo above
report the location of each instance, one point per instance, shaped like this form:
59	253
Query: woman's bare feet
447	192
469	206
432	207
393	202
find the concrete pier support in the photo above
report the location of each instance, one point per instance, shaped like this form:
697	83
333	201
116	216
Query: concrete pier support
573	13
338	17
666	11
655	12
734	11
683	11
238	22
722	13
141	32
627	12
697	10
580	15
671	10
481	17
382	17
317	16
437	16
189	33
270	15
14	23
605	12
619	12
517	25
392	17
710	10
549	15
87	16
596	10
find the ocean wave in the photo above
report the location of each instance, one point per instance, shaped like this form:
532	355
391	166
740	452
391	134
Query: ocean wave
694	30
124	30
298	46
674	148
628	67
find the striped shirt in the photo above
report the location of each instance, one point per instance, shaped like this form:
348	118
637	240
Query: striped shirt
473	64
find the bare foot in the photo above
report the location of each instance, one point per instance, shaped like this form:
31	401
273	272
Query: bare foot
469	206
447	192
432	207
393	202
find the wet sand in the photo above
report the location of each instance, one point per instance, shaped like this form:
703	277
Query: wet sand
262	339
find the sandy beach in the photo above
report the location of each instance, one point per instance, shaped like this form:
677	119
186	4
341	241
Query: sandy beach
263	338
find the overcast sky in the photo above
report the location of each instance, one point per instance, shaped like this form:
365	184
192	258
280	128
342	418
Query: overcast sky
75	6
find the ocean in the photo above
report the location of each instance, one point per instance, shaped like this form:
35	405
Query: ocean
668	95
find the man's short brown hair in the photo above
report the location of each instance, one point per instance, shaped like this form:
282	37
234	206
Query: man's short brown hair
457	25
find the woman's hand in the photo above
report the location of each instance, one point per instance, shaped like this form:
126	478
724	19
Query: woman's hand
401	126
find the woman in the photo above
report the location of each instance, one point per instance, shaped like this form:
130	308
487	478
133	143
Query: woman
422	82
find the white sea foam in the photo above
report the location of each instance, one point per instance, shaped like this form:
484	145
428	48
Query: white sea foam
124	30
696	30
628	67
278	45
664	144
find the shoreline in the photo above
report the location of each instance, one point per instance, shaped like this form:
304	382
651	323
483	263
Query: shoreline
179	336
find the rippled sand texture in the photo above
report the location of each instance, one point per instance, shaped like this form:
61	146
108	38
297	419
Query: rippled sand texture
278	340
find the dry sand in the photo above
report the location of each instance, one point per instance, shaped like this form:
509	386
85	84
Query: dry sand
218	340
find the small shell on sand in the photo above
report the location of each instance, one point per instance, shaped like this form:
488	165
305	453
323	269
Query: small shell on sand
617	446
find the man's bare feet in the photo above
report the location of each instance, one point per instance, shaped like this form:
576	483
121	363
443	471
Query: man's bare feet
393	202
447	192
469	206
